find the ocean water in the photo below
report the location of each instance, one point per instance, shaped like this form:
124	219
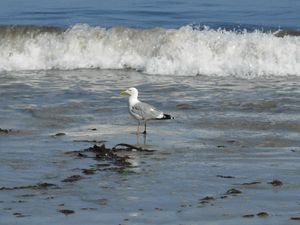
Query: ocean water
178	38
227	70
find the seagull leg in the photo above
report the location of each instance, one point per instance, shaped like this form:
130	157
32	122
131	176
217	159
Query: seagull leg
145	132
138	133
138	128
145	141
137	139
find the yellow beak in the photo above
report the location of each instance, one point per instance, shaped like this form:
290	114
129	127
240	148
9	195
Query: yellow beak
124	93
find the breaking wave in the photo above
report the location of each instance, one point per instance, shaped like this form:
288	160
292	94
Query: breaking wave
183	51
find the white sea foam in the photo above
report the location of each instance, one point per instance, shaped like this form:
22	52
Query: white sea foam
183	51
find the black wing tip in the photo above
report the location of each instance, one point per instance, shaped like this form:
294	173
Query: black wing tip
168	117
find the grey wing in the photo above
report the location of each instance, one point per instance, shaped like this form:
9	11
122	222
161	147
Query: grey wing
146	111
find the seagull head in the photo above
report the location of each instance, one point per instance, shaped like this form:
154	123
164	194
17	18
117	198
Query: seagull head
131	92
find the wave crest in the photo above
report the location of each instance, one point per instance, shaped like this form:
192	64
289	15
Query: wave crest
183	51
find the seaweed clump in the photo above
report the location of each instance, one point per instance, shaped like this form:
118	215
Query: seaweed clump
39	186
5	131
116	158
105	154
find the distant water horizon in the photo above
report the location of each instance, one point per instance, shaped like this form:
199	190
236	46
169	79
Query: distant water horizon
144	14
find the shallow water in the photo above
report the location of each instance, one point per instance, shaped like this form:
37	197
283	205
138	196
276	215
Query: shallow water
245	129
229	73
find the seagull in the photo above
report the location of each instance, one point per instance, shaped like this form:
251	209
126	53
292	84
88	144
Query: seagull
142	111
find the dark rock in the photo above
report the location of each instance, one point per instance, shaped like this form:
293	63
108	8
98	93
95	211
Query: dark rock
44	185
224	196
89	171
81	155
233	191
227	177
59	134
206	200
295	218
66	211
38	186
102	165
98	149
123	171
248	216
276	183
252	183
18	214
6	131
262	214
19	201
27	195
73	178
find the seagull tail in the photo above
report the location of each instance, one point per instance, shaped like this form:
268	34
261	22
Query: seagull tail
167	117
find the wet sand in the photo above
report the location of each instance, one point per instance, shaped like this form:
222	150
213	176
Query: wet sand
231	156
